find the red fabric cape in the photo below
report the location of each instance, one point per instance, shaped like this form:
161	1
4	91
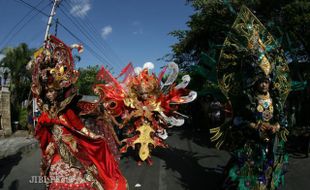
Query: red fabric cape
90	151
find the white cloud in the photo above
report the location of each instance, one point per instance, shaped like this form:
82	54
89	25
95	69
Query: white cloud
80	8
105	31
136	23
137	27
138	31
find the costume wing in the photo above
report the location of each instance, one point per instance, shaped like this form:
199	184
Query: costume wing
144	105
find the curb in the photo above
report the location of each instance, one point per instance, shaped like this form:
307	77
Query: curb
28	147
20	147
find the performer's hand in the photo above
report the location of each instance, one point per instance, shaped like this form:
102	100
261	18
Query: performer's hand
97	137
274	128
50	149
90	134
263	127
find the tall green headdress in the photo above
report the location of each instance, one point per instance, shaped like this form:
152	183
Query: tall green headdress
249	53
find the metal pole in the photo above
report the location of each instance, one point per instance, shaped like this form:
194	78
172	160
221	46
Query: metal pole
49	23
34	104
56	26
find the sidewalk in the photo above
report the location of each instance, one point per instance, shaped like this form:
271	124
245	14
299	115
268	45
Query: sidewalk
15	144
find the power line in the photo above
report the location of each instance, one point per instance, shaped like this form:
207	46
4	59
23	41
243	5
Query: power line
101	59
94	31
20	29
31	6
6	37
81	29
36	36
81	25
87	46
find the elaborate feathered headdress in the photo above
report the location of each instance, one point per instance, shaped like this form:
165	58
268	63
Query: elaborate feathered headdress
53	67
249	53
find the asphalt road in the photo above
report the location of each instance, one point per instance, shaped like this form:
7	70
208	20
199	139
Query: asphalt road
187	164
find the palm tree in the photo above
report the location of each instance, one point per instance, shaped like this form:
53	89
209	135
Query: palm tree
15	60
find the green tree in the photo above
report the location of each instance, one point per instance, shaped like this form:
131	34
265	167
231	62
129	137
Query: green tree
87	79
16	59
198	49
288	21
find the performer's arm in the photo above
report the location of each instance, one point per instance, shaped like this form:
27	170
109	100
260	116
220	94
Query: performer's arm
77	124
262	126
90	134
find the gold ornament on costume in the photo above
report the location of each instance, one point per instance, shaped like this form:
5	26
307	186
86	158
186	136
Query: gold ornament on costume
257	45
144	140
260	108
265	66
271	108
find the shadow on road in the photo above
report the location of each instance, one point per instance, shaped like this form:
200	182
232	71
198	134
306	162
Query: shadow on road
192	174
6	166
298	146
14	185
199	136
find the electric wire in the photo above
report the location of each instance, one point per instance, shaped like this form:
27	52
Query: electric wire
94	53
87	46
96	40
7	37
31	6
94	30
21	28
82	30
103	44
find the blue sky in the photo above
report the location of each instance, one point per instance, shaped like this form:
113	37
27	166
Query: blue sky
125	30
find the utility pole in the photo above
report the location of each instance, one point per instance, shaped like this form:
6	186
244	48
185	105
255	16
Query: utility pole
49	23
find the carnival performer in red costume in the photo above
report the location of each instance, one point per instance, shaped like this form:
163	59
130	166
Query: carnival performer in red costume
79	147
145	103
